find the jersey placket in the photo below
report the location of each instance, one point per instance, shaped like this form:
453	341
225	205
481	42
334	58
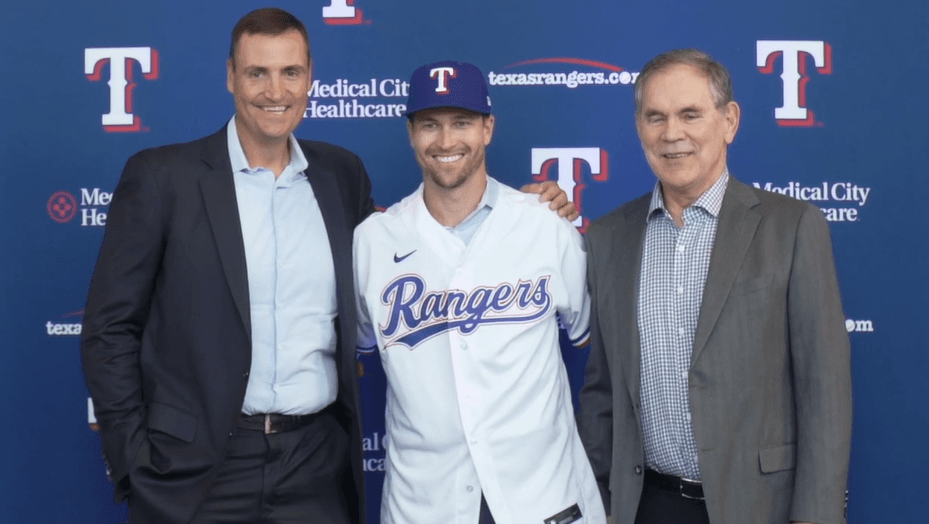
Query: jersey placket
466	370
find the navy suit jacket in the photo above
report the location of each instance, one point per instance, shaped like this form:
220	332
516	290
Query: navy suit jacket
166	340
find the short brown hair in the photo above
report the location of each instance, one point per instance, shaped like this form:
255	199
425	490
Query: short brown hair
267	21
716	73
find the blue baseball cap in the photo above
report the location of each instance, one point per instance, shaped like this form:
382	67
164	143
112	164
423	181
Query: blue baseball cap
448	84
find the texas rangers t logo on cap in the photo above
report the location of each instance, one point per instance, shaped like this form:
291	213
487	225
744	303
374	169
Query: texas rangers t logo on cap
443	74
431	86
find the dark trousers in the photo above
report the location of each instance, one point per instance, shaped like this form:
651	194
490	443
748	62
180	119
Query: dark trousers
657	506
282	478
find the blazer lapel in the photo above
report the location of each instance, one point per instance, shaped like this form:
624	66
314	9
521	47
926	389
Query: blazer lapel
218	188
329	197
734	233
326	190
324	187
627	245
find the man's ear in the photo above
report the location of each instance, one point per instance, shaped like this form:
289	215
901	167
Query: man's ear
230	74
732	114
488	123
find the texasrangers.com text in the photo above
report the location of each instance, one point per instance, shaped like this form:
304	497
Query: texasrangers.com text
570	80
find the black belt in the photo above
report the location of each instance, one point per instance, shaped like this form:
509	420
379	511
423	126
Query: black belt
274	422
686	488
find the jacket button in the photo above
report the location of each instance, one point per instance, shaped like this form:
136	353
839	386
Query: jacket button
638	470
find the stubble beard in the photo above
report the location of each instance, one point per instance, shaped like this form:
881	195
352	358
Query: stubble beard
458	181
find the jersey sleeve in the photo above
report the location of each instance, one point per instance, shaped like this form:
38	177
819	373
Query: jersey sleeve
367	341
576	316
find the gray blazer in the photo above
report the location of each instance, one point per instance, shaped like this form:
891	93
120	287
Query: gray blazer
770	377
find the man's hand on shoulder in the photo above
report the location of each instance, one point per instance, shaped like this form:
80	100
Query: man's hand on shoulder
549	191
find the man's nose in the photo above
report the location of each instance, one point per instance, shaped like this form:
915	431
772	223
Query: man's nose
673	130
446	138
275	88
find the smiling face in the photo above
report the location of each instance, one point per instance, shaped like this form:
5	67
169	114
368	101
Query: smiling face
449	145
683	133
269	79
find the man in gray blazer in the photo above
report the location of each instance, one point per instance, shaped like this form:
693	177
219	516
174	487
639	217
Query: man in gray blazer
719	386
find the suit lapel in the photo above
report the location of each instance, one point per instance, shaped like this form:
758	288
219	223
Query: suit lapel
627	244
218	188
734	233
326	190
329	197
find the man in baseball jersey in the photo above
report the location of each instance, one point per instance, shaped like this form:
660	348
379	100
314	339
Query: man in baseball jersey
459	286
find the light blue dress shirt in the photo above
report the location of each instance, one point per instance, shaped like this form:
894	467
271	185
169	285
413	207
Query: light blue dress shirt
466	229
291	286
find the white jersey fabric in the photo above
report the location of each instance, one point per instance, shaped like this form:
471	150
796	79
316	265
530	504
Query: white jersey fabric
478	398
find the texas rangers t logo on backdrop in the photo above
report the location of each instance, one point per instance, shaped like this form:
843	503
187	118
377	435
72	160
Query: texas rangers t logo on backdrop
570	162
793	59
442	74
120	118
342	12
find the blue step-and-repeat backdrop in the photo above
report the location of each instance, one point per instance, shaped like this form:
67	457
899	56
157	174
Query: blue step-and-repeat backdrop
834	111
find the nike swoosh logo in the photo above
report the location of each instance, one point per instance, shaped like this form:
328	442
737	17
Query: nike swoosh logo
400	259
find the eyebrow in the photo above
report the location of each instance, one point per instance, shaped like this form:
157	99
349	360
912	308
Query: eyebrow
295	67
648	113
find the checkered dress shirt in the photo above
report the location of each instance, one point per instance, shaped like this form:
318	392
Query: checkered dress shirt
674	266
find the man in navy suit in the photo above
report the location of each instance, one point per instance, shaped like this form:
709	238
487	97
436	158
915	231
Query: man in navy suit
219	333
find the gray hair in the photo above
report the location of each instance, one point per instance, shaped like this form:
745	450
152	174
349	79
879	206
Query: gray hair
716	73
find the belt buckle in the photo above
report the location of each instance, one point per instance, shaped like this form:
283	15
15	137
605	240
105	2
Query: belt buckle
681	488
268	429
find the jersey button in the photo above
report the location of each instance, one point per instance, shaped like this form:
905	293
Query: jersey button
470	489
463	345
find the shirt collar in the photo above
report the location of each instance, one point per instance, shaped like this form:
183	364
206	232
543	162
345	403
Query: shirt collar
711	200
297	166
488	200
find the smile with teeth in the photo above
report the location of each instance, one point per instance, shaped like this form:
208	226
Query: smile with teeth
674	156
275	109
448	159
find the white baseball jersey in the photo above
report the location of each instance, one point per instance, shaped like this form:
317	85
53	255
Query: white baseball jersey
478	398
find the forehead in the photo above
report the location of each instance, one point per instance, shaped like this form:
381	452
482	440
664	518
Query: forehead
677	86
260	49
